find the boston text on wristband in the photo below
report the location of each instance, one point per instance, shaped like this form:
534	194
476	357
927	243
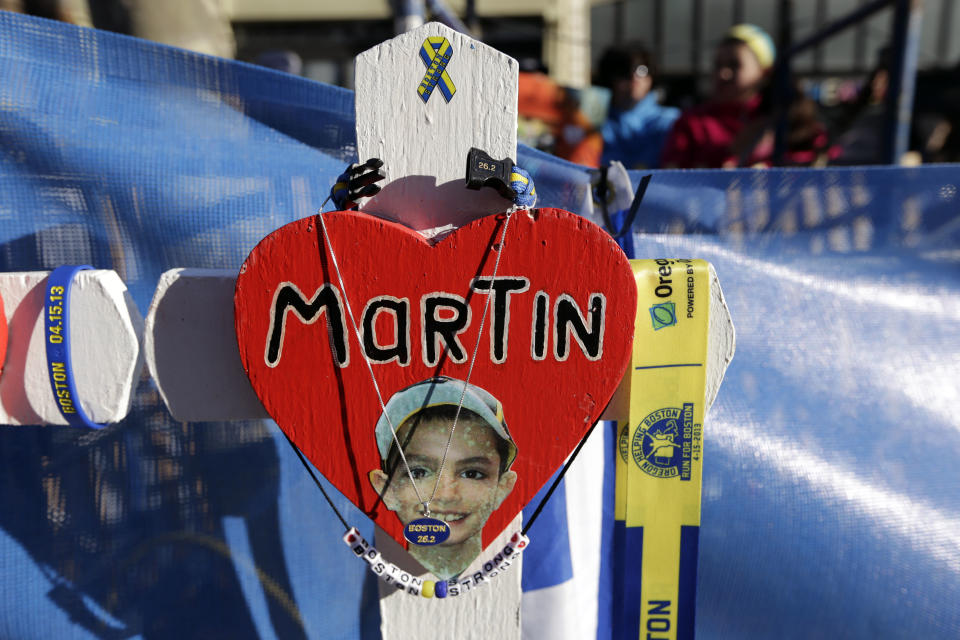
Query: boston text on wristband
56	312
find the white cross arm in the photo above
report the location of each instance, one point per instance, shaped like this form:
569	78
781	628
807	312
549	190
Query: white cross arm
191	348
104	341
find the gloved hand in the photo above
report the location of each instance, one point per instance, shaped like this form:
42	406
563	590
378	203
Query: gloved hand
355	183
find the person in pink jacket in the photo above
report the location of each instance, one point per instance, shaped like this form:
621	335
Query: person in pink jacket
707	135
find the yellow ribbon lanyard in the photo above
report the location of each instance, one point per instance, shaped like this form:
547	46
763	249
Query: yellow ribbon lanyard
660	451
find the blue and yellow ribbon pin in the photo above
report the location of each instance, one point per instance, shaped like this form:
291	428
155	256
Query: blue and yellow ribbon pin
435	54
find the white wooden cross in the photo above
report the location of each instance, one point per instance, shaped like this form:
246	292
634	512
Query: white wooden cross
421	120
470	101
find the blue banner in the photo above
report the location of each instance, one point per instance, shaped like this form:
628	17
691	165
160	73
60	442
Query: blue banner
831	483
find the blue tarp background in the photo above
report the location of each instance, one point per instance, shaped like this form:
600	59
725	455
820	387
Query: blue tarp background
831	501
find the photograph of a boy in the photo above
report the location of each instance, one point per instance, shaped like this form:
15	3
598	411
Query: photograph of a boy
476	477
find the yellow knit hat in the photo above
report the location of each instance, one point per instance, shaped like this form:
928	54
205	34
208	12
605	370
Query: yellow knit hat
758	40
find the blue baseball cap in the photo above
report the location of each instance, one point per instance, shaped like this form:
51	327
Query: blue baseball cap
436	392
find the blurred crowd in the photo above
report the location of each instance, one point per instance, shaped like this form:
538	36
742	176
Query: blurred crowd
744	119
735	125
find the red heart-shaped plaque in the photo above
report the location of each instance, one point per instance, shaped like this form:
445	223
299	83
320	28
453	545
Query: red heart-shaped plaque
556	341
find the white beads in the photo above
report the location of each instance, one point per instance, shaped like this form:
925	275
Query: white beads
499	563
383	569
397	577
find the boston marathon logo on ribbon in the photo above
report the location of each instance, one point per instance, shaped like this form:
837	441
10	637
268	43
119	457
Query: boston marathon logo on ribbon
665	441
435	54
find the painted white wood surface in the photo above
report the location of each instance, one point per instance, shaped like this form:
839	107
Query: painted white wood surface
191	348
424	145
105	348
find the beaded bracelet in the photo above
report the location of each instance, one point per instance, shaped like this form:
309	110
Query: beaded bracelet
57	339
397	577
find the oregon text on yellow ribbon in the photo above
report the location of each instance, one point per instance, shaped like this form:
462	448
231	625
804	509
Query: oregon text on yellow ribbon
660	450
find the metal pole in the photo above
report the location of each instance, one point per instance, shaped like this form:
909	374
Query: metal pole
445	15
860	46
737	11
620	22
943	40
658	23
820	17
781	81
696	36
840	24
907	17
407	15
470	15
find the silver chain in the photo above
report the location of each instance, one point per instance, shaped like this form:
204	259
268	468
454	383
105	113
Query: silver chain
373	377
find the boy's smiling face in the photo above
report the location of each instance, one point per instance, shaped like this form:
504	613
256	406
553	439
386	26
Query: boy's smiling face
471	486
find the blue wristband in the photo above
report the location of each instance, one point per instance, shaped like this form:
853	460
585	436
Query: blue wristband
56	311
